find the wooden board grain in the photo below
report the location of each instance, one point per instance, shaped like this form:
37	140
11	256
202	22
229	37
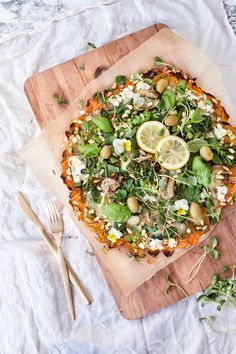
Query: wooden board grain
67	78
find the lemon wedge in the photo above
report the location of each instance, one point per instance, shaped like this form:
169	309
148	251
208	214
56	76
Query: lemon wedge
172	152
149	134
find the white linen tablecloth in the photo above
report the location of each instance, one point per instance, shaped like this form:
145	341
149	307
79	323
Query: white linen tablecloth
33	312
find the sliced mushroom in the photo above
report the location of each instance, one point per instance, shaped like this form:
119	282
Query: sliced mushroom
146	219
148	94
109	186
170	192
143	158
150	104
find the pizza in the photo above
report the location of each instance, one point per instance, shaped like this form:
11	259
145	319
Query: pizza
150	162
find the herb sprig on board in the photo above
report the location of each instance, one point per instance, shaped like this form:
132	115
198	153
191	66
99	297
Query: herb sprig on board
60	99
208	249
92	45
221	290
172	284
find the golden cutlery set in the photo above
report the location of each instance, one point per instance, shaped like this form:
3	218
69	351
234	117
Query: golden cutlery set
56	227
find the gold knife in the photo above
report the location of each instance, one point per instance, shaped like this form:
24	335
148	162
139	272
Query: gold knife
31	215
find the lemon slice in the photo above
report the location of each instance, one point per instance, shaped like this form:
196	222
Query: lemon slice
149	134
172	152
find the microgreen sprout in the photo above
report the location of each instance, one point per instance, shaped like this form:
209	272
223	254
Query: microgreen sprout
59	99
207	249
158	61
91	45
221	290
173	284
210	320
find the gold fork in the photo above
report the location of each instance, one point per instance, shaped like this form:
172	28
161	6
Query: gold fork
56	226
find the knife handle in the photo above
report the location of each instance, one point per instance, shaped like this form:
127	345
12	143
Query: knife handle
72	276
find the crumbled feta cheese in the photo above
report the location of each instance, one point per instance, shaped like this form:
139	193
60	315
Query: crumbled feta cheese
77	166
142	86
155	244
181	206
115	100
172	243
189	94
205	107
219	131
138	100
220	193
74	140
141	245
120	145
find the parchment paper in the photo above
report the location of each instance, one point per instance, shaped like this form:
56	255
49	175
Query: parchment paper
43	154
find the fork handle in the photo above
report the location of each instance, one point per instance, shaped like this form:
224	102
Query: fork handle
72	275
65	278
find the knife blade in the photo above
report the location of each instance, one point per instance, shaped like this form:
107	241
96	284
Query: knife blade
34	219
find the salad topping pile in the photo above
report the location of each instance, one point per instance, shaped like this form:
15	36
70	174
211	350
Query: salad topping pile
150	162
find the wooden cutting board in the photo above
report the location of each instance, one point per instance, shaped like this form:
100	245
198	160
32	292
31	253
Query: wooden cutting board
69	79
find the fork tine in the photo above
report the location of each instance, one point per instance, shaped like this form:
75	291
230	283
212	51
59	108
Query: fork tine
56	212
55	219
50	211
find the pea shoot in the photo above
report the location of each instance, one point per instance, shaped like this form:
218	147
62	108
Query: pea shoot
208	249
222	290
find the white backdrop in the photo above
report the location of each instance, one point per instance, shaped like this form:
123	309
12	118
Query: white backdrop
33	309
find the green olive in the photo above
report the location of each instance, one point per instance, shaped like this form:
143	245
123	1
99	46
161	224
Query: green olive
161	85
195	211
206	153
133	204
105	152
171	120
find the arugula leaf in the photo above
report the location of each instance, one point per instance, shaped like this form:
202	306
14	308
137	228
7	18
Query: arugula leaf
88	150
120	79
214	215
181	87
120	195
94	196
100	97
116	212
201	171
190	193
112	169
169	99
196	117
102	123
196	144
213	143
